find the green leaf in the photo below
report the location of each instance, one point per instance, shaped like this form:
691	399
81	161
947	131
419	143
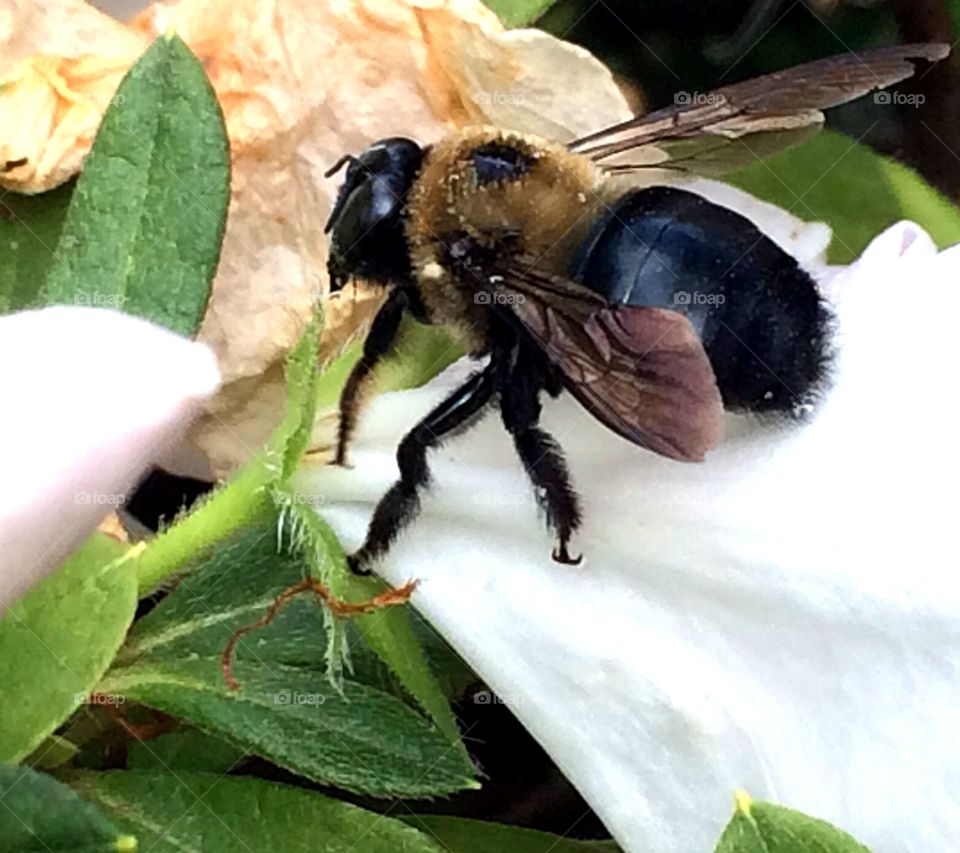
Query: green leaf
359	739
29	232
146	219
856	191
41	814
452	672
231	589
421	353
519	13
766	828
248	495
185	749
59	639
292	436
953	9
52	752
388	632
205	813
234	588
461	835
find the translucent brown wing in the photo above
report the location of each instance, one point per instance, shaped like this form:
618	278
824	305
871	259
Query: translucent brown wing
782	102
640	371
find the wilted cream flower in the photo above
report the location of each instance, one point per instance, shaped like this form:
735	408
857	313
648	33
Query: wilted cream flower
300	84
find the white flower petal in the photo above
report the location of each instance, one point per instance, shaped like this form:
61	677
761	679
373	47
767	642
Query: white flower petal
90	399
781	618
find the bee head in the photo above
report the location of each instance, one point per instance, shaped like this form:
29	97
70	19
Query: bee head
366	225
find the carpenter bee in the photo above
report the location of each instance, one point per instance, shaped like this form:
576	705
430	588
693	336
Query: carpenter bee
654	307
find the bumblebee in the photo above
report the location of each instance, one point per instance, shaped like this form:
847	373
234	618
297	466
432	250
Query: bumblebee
655	308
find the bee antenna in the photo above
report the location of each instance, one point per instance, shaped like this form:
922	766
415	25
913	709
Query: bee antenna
336	167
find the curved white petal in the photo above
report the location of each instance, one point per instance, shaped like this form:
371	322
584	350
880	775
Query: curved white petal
783	618
90	399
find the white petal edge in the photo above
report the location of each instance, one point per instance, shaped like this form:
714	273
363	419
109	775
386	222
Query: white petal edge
90	398
782	618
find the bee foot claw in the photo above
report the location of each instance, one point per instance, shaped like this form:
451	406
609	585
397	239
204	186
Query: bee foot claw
340	459
562	555
356	565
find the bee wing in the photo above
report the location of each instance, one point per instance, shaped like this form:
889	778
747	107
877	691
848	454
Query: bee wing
641	371
784	102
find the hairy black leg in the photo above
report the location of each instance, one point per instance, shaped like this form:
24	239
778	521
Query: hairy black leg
522	377
379	342
402	502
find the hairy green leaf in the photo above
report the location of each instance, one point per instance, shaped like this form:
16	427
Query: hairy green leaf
146	219
292	436
58	640
29	232
766	828
388	632
185	749
234	588
206	813
41	814
358	738
461	835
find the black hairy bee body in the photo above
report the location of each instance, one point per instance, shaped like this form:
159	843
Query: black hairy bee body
477	204
758	313
654	308
762	321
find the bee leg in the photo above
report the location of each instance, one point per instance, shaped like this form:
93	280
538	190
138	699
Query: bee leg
401	503
540	453
378	343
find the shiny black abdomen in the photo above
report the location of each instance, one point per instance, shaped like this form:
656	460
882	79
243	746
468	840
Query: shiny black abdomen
760	317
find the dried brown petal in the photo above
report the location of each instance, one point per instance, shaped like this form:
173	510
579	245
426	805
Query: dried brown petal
301	82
